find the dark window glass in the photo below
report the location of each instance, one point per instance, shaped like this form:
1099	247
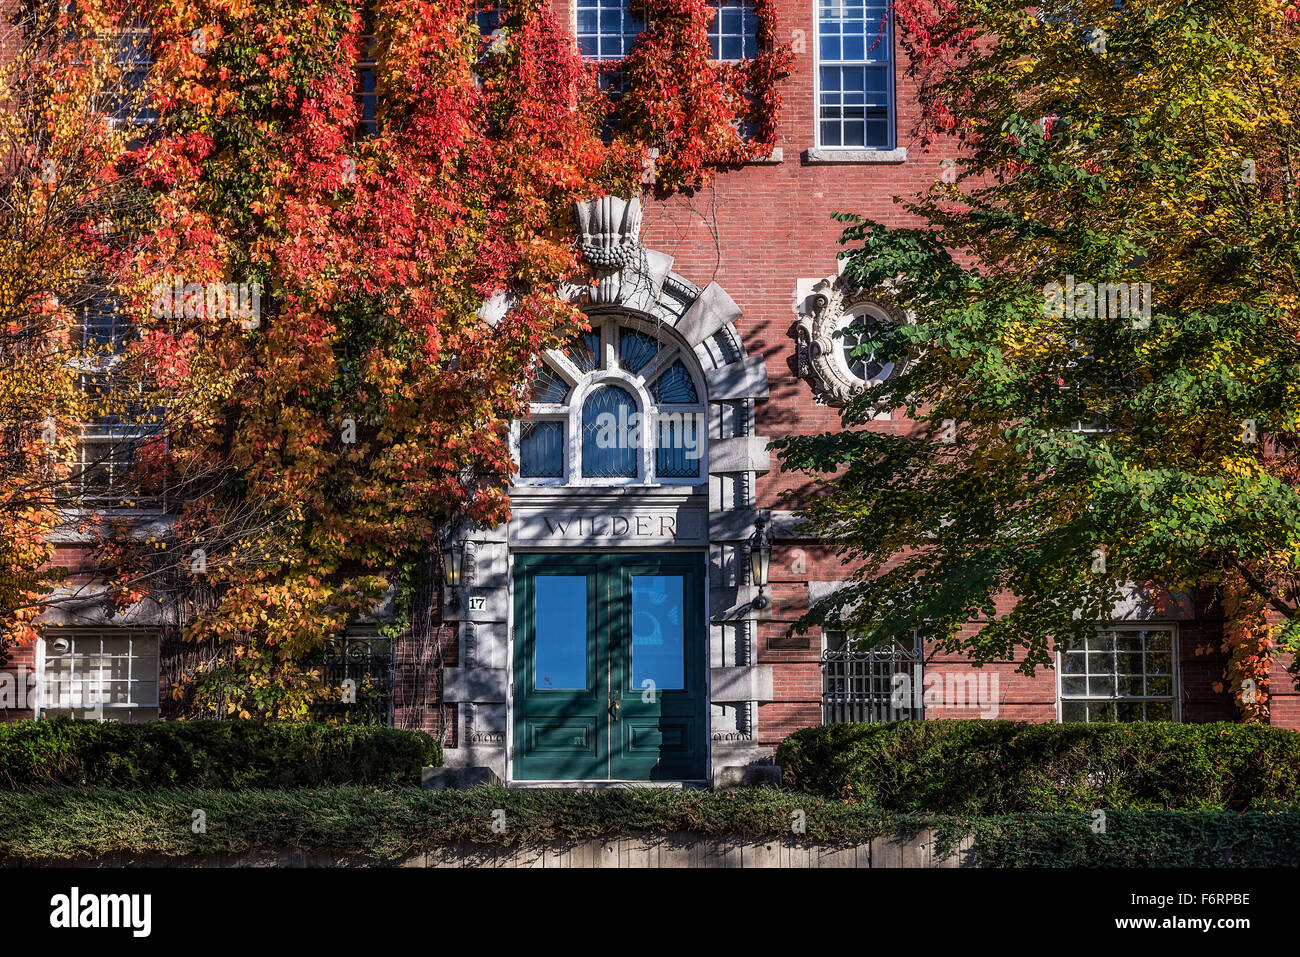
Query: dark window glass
611	434
675	387
541	449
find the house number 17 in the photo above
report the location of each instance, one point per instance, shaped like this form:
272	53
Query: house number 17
477	602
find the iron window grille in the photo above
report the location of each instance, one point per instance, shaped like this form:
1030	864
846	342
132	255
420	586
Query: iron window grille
860	685
367	661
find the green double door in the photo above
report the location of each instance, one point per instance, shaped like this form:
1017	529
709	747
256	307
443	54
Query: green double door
609	670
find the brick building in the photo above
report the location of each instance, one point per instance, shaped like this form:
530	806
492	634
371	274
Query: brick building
613	629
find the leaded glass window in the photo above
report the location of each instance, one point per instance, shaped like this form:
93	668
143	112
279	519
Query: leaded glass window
635	349
618	404
549	386
675	387
584	352
541	449
611	436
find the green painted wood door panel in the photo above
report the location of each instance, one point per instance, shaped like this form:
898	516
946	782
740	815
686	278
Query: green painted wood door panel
610	667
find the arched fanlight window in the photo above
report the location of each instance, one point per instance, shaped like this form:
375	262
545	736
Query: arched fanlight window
621	403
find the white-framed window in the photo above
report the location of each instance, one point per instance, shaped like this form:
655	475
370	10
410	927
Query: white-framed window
110	674
104	473
606	29
733	34
855	74
1122	673
131	102
623	404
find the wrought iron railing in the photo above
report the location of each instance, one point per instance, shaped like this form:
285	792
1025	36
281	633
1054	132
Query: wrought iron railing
878	684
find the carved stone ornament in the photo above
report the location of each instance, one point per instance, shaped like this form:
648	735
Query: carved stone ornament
608	238
820	355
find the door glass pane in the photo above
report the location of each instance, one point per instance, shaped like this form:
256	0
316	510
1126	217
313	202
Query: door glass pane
658	632
561	644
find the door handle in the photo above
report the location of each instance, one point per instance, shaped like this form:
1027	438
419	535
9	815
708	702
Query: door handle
614	705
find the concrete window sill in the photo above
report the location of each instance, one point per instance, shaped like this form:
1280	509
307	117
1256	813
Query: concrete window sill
817	154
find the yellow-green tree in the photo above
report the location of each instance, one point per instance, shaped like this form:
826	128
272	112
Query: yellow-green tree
68	109
1105	295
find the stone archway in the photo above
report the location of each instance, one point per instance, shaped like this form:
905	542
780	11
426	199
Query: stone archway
716	515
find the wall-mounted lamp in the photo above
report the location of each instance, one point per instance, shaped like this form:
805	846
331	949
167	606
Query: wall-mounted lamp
760	559
452	552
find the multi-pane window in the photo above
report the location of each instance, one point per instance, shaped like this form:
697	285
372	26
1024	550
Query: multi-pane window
855	74
487	16
864	331
734	31
607	29
103	325
367	91
112	675
130	101
1120	674
104	472
618	404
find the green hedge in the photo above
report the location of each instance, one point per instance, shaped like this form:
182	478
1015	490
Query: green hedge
1132	839
1006	767
78	824
214	754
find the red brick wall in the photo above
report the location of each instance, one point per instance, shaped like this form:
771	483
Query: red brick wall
756	231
